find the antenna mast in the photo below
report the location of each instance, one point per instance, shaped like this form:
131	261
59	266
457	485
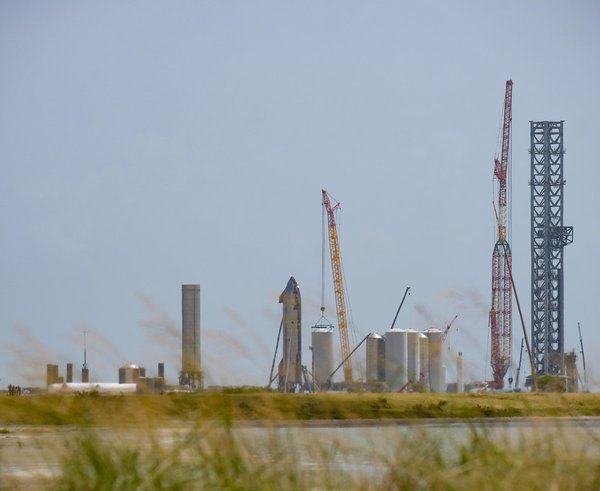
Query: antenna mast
84	350
85	373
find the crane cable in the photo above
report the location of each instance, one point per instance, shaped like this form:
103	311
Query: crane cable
322	259
323	321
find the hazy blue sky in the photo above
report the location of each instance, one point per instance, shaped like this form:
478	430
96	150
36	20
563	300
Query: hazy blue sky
148	144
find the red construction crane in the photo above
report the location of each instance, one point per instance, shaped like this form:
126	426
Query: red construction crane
338	284
501	311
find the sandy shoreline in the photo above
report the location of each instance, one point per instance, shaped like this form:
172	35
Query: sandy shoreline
319	423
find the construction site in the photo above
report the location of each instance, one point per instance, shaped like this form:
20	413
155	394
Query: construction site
403	359
406	360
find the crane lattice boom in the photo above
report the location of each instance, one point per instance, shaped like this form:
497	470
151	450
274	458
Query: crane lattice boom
338	284
447	330
501	311
501	166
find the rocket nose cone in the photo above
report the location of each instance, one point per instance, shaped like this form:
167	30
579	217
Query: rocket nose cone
290	289
291	285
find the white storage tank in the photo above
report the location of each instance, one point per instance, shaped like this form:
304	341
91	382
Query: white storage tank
443	382
396	358
436	383
424	361
375	358
322	352
413	358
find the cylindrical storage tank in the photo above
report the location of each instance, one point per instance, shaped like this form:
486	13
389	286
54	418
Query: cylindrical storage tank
375	358
69	373
413	355
436	383
322	352
51	374
396	359
128	374
190	346
460	378
444	371
424	361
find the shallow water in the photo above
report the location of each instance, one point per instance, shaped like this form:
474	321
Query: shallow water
28	455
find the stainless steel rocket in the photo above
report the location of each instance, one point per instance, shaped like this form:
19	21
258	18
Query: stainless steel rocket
290	367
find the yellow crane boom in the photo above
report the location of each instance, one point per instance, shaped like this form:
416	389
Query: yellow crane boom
338	284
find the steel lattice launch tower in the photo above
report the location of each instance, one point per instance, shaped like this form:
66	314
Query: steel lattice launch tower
191	373
548	238
290	367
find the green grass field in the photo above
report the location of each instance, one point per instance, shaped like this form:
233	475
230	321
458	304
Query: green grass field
272	406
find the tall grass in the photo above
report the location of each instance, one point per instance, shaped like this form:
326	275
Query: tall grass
210	459
190	442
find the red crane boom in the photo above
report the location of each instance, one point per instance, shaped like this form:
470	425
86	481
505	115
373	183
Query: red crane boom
501	311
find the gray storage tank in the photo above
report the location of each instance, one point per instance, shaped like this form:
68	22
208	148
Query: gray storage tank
322	353
69	373
375	358
51	374
460	377
191	374
129	373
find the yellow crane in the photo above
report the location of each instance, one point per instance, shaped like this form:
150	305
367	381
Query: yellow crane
338	283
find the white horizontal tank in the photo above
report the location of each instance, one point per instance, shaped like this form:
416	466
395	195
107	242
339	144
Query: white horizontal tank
99	387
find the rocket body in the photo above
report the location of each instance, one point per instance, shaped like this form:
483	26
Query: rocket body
290	367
